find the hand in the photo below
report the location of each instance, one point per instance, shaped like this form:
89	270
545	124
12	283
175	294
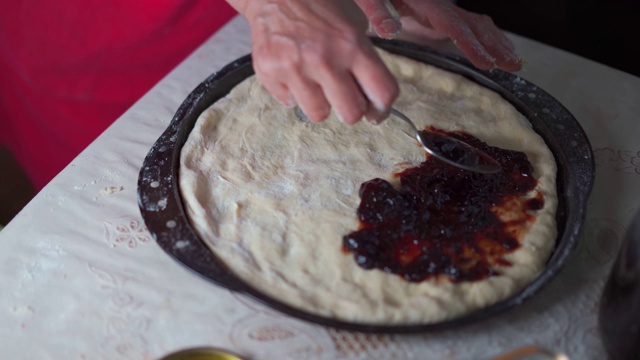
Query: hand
475	35
316	54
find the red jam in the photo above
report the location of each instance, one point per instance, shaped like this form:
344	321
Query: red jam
443	220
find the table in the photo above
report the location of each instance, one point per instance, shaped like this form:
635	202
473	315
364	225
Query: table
81	277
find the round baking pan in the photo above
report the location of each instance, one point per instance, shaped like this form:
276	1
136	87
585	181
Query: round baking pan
162	208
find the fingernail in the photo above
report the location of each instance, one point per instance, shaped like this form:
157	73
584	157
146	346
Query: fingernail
376	116
374	121
301	115
289	103
522	62
391	27
377	105
511	56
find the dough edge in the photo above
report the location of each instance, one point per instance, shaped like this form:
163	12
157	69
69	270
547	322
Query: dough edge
247	204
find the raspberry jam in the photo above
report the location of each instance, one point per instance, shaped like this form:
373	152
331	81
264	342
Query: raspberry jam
445	221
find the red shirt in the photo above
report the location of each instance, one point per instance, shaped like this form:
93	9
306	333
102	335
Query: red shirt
68	69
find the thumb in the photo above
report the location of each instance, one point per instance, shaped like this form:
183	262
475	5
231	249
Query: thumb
383	17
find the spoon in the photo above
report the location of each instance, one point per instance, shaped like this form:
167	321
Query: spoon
443	147
451	150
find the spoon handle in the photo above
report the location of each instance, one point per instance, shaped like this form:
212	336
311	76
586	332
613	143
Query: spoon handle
404	117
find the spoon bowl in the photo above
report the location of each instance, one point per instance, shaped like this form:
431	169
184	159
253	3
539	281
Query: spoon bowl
451	150
443	147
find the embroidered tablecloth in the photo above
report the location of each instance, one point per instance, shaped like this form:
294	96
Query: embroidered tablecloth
81	278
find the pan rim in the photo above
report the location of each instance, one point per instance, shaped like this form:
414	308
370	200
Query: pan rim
170	227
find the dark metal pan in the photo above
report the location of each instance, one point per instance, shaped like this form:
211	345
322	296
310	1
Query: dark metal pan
162	209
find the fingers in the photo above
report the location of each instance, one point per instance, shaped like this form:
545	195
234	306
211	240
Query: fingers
482	42
382	16
316	55
270	68
280	92
311	99
479	39
364	88
285	81
344	95
367	89
378	85
495	42
475	51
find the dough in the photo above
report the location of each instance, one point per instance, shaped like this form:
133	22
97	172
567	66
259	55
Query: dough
273	196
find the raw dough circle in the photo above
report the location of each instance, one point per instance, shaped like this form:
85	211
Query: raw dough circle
273	196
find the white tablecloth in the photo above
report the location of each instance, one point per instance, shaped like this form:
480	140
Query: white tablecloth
81	278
